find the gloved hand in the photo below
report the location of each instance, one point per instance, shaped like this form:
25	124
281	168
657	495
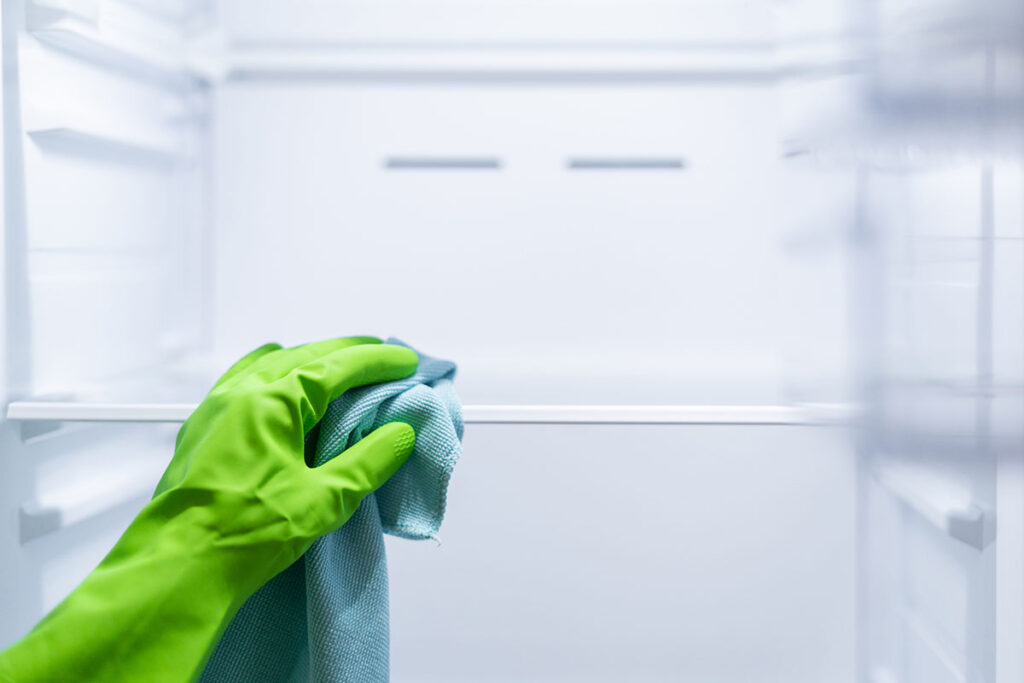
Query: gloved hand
237	505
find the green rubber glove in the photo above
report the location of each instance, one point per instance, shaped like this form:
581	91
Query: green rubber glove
237	505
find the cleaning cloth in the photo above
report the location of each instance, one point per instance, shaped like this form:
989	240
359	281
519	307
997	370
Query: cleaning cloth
325	618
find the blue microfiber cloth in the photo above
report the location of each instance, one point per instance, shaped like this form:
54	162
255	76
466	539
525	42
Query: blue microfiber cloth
325	618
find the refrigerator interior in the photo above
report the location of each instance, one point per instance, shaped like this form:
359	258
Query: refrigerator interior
736	290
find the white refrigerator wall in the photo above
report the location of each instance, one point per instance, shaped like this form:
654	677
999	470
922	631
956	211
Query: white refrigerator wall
551	284
448	207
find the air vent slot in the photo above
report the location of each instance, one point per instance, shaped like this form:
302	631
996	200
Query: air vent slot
439	163
625	164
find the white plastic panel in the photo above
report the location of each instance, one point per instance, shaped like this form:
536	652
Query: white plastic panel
640	554
107	198
91	323
375	22
550	284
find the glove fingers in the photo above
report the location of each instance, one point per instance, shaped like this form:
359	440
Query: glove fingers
362	469
282	363
246	362
320	381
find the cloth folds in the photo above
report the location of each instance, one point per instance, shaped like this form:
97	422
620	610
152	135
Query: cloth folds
325	618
